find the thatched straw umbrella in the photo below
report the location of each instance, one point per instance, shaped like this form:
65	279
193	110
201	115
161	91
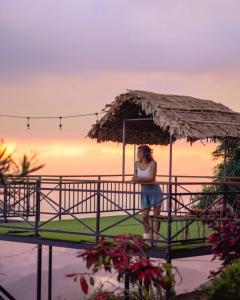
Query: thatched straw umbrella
181	116
140	117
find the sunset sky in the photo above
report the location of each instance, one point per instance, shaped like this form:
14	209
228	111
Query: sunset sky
66	57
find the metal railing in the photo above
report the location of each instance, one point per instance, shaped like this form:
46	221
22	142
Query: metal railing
6	294
31	204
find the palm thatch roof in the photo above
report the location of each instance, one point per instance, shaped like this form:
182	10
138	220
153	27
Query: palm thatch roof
181	116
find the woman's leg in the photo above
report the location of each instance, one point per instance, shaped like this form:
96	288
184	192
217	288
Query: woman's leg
156	213
145	219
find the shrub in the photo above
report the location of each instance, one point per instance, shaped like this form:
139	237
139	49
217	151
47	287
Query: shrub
233	169
127	256
226	285
226	241
10	168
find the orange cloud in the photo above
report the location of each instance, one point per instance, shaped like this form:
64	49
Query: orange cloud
87	157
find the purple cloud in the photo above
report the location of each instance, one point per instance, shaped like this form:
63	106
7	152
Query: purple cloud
61	37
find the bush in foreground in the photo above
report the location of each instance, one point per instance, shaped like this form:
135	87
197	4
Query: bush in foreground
225	241
126	256
226	285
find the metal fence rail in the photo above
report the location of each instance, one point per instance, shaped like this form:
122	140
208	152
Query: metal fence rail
32	203
6	294
37	206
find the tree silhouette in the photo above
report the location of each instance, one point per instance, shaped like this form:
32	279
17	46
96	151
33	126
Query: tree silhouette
10	168
232	170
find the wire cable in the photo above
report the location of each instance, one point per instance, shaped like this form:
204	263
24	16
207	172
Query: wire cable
50	117
59	118
18	254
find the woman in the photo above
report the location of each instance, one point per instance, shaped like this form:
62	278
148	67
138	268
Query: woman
151	196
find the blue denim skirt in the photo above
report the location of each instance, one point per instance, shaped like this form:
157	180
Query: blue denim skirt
151	195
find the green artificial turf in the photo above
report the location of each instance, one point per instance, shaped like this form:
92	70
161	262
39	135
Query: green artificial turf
78	230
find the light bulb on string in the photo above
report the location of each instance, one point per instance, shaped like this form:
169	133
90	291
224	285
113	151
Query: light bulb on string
60	123
96	117
97	124
28	123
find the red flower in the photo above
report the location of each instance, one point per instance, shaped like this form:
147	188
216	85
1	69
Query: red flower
226	241
71	275
213	238
103	295
127	255
83	284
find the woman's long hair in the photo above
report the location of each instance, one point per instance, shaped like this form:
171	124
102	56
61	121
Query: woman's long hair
146	152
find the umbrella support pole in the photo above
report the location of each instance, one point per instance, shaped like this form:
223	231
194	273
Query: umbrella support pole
124	142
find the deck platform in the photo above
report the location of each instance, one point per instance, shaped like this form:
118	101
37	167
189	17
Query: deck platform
72	234
75	212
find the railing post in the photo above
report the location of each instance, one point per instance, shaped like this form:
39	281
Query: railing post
169	235
169	227
225	187
37	213
175	191
60	199
39	272
27	200
225	196
5	206
123	149
50	273
98	209
134	198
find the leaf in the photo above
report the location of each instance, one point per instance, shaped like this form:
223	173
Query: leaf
146	294
167	267
70	275
83	284
91	281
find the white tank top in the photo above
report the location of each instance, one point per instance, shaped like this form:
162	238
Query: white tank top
144	173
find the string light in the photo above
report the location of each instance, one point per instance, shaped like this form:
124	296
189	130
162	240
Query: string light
28	124
96	116
60	119
60	123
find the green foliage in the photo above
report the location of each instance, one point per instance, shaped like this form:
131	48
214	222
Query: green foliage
100	294
29	164
9	167
7	164
233	158
232	170
226	286
225	240
127	257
